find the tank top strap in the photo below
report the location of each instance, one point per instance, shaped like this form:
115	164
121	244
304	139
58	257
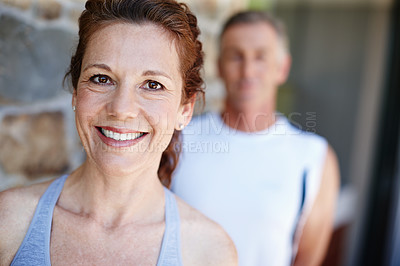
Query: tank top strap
170	253
35	248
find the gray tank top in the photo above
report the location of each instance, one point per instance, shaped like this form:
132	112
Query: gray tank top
35	249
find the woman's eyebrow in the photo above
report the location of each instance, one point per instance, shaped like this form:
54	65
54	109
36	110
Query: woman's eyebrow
145	73
156	73
103	66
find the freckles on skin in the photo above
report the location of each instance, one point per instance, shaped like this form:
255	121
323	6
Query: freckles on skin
128	56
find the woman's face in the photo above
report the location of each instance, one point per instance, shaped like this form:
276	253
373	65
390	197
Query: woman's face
128	97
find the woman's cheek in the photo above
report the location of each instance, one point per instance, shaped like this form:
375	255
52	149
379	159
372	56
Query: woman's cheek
161	114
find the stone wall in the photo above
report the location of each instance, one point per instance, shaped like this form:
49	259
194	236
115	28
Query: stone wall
38	139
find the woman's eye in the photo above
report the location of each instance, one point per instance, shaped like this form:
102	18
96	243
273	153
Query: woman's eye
101	79
153	85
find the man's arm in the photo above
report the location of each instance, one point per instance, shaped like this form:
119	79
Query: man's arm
318	227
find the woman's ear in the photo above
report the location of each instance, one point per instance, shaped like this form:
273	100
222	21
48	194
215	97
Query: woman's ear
185	114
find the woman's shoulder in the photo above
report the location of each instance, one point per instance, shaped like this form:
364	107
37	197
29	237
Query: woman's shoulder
17	206
17	201
204	242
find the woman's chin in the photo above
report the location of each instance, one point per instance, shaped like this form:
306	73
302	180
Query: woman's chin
114	160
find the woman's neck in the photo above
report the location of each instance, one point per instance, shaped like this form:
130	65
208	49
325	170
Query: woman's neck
114	200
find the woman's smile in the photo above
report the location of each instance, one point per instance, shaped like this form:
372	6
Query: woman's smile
117	137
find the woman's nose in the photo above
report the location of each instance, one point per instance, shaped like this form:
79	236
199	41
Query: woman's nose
123	103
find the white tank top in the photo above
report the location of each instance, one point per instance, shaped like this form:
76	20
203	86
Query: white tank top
253	184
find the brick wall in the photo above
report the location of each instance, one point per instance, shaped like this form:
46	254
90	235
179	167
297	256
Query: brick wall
38	139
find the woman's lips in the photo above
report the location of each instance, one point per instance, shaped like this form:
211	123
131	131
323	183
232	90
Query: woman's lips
119	137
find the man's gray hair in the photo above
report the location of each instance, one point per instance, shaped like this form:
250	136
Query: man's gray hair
253	16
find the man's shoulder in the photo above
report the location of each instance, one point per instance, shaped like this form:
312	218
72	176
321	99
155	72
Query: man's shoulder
299	132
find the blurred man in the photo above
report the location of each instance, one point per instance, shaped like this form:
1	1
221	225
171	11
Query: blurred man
271	186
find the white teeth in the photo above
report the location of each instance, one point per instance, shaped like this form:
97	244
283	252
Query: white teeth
120	137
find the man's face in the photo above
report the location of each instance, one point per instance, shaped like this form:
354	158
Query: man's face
251	65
